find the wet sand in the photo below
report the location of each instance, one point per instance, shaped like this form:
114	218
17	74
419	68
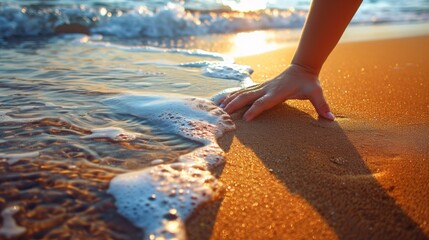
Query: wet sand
290	175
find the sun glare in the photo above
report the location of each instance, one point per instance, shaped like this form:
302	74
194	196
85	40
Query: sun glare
246	5
251	43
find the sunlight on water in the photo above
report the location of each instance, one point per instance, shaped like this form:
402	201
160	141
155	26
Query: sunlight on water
63	141
264	41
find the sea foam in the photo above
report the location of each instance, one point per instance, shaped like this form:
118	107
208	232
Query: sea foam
173	19
160	198
15	157
10	228
113	133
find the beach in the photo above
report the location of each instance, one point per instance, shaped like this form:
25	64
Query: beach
110	126
290	175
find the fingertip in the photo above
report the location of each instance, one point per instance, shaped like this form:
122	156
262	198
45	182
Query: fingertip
247	117
226	107
329	116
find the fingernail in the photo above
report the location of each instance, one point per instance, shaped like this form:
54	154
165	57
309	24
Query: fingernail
246	118
330	116
222	105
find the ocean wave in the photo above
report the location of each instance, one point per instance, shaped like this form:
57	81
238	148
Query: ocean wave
170	20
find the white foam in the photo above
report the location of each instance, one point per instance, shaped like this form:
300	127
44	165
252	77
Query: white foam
179	114
4	117
160	198
114	133
228	71
187	52
224	70
222	94
181	85
15	157
157	161
10	228
174	19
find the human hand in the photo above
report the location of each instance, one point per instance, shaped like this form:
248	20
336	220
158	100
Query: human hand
296	82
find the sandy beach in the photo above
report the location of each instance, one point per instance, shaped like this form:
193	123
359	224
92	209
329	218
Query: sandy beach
109	127
290	175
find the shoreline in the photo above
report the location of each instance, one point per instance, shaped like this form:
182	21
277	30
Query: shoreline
237	45
291	175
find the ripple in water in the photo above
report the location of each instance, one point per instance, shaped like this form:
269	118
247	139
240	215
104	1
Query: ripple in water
84	143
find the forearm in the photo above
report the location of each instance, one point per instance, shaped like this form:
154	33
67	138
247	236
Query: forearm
323	28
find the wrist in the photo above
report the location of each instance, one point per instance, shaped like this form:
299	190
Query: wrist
305	68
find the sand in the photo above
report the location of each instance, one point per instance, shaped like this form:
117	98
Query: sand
290	175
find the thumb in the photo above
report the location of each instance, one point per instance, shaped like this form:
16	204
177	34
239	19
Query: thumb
320	104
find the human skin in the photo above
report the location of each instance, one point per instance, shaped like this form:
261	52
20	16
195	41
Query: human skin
325	24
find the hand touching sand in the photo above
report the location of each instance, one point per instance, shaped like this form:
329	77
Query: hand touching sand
326	22
295	82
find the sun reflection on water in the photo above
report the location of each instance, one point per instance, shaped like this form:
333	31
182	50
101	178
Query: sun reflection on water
251	43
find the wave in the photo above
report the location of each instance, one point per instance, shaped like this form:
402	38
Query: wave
170	20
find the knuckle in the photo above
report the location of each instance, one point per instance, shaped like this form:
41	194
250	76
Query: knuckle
259	102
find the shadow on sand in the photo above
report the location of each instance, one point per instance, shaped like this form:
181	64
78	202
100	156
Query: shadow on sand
319	163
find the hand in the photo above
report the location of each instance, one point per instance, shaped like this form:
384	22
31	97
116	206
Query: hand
296	82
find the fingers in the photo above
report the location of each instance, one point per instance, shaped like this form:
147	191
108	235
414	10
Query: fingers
262	104
240	99
228	98
320	104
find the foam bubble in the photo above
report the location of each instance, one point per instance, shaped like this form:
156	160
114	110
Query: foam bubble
222	94
157	161
160	198
190	117
222	69
228	71
114	133
15	157
10	228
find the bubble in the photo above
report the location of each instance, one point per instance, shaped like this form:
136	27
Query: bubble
10	228
180	187
114	133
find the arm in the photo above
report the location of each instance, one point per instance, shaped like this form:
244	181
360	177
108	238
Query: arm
326	22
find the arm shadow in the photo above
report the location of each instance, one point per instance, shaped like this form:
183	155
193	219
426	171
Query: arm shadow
318	162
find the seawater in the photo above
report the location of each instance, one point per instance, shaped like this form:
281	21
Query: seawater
171	18
100	139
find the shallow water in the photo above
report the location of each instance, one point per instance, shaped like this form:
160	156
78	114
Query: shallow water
64	136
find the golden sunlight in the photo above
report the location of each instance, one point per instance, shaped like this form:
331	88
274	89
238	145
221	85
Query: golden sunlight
251	43
245	5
